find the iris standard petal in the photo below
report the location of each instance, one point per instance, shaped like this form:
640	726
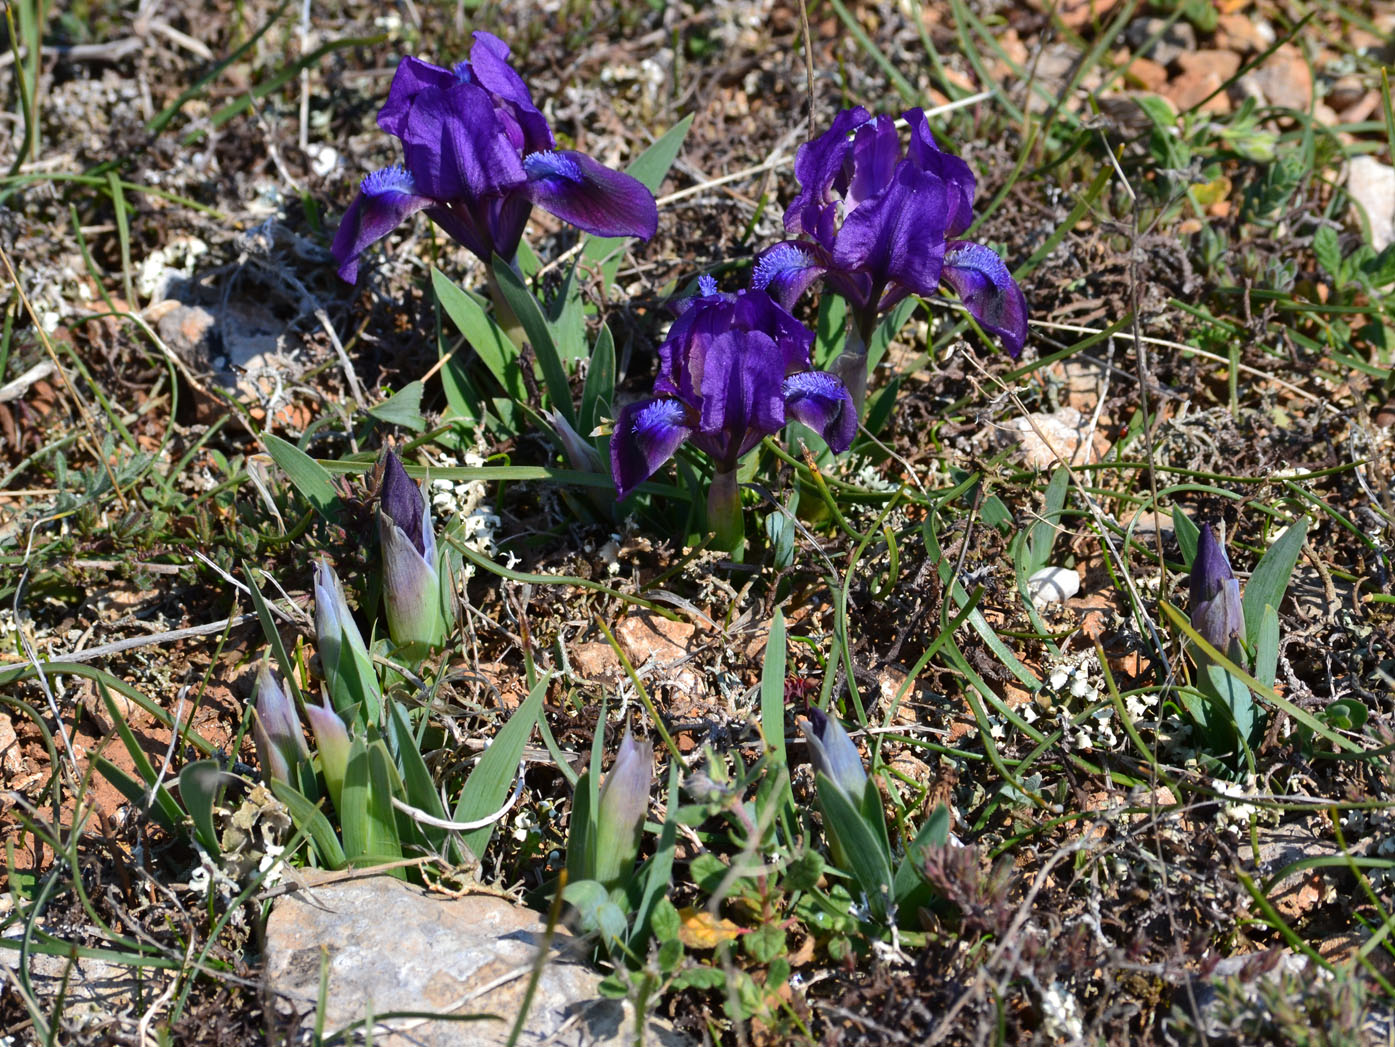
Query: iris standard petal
333	744
624	795
385	198
1210	567
401	501
899	236
924	152
984	284
876	150
759	312
589	195
683	351
278	714
623	801
489	67
275	728
823	403
1221	619
413	78
331	612
786	270
819	166
646	435
456	147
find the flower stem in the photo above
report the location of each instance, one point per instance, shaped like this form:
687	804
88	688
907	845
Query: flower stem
503	312
724	512
851	364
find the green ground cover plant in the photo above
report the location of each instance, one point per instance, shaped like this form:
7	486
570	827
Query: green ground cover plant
876	519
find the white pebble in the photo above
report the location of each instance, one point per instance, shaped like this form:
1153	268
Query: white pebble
1053	585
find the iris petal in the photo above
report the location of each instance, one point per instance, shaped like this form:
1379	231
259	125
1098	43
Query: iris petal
876	151
786	270
958	177
589	195
739	393
413	77
984	284
1217	611
834	754
489	65
820	401
455	145
819	167
385	198
898	236
646	435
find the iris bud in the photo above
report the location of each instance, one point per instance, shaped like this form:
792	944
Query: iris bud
276	728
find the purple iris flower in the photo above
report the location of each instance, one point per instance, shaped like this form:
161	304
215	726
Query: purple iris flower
734	369
1216	609
877	223
477	155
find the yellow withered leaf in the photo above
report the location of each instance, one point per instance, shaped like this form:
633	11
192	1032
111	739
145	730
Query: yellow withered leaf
701	930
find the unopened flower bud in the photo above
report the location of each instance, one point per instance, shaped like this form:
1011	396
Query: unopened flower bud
276	728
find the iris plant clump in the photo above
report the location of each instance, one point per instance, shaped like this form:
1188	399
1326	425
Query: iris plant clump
876	222
477	156
734	369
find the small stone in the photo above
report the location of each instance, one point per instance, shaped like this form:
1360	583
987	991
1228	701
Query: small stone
1176	39
237	345
646	637
1145	525
1079	13
1199	82
596	661
1284	80
1371	185
1042	436
1223	64
1053	585
1013	47
11	758
1346	92
1146	73
97	997
1363	109
393	947
1242	34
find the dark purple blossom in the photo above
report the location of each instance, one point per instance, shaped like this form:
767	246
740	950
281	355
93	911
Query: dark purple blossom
1216	610
477	155
877	223
734	369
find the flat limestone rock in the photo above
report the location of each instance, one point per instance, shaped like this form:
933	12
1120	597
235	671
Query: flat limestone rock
99	998
393	947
